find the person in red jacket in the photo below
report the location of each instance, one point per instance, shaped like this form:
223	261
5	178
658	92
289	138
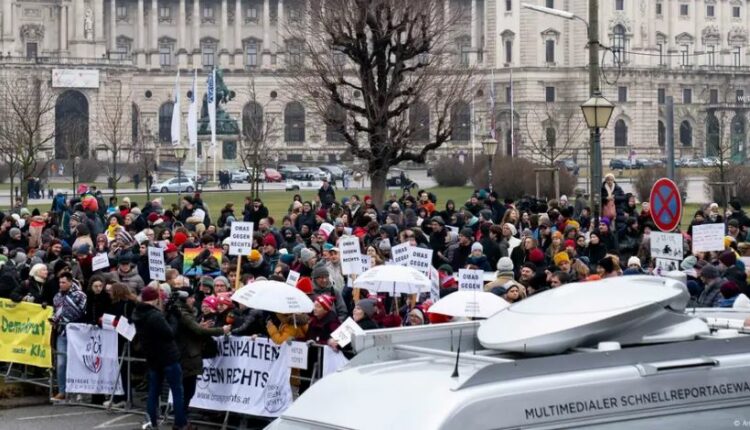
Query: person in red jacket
323	322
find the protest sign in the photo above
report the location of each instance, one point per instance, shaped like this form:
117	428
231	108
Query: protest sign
470	280
140	237
25	333
108	321
366	263
241	238
247	377
350	256
663	265
100	261
666	245
292	278
401	254
346	331
421	259
156	267
708	237
125	329
298	355
92	360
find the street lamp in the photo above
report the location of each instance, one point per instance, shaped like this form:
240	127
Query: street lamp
489	146
179	153
597	111
76	163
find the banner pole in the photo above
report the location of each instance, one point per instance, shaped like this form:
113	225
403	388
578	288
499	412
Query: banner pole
118	382
239	269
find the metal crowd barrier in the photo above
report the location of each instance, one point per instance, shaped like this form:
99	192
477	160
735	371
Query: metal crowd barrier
21	373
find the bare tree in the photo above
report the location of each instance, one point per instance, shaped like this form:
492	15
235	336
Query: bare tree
113	126
365	63
554	133
258	128
27	105
144	155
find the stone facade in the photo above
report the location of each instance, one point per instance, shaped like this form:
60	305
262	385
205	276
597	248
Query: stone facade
693	50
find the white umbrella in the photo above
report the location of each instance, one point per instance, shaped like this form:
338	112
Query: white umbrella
274	296
393	279
470	304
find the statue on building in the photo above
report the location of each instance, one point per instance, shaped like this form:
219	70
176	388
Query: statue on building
88	24
225	125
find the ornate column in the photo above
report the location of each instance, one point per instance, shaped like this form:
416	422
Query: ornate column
238	19
7	21
63	27
280	25
181	36
112	25
98	20
196	33
474	32
154	26
266	58
140	32
222	47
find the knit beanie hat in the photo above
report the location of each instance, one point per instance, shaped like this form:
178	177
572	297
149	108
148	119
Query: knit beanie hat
561	257
180	238
305	285
728	258
634	261
306	254
536	256
149	294
505	264
325	301
476	246
367	306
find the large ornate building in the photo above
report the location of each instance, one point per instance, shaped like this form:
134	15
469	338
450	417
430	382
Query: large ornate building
98	51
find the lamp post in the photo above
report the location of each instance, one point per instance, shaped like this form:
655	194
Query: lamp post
76	161
597	111
179	154
489	146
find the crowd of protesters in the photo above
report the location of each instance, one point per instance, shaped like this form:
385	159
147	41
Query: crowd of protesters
531	245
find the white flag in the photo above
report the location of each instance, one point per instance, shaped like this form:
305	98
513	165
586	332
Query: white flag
211	91
176	120
192	121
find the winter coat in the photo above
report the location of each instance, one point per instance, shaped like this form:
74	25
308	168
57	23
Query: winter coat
9	280
327	196
248	322
191	338
157	336
291	329
96	306
70	307
367	323
711	295
30	287
319	330
339	306
305	218
132	279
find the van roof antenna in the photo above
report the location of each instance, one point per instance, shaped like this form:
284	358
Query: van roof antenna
458	355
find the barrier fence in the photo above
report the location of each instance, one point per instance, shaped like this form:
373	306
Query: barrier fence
249	380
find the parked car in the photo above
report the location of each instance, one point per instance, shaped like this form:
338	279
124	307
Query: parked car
286	169
647	163
336	172
242	175
174	185
394	180
296	185
198	179
300	176
272	175
693	162
569	164
316	173
620	163
713	162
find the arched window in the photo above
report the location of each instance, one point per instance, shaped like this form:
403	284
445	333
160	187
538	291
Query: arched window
165	122
334	122
419	122
294	122
71	126
662	134
712	135
686	133
135	123
618	44
252	121
621	133
229	149
461	122
737	135
463	44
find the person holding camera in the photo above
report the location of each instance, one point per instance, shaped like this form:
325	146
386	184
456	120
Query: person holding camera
158	341
194	341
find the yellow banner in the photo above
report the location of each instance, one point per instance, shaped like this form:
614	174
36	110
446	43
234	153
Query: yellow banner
25	333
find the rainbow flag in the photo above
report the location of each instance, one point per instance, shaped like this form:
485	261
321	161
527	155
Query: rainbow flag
189	268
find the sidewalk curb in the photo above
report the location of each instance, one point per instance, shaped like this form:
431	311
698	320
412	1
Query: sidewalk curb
18	402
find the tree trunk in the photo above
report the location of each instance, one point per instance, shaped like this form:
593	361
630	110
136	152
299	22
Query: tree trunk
12	182
114	174
378	186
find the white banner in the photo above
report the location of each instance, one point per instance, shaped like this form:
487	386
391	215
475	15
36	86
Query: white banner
100	261
421	259
176	113
708	237
75	78
470	280
92	366
241	238
666	245
156	267
350	256
192	118
247	377
401	254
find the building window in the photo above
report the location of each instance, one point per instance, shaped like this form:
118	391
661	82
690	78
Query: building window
508	94
165	122
740	96
122	12
687	96
711	55
618	45
735	12
684	9
713	96
622	94
294	122
710	10
661	96
549	52
294	53
549	94
685	55
461	122
737	56
661	53
419	122
335	124
508	51
251	53
208	12
165	54
295	14
621	133
508	5
658	9
464	48
165	12
252	13
208	54
619	4
551	3
662	134
229	150
121	52
686	133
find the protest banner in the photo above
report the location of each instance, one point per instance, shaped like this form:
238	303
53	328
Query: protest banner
666	245
25	333
156	267
663	265
708	237
470	280
401	254
92	360
241	238
421	259
350	256
100	261
247	377
292	278
346	331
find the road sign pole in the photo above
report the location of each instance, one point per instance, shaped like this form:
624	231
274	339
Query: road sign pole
666	205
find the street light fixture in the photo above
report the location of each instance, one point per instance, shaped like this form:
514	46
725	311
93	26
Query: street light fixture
597	111
489	146
179	153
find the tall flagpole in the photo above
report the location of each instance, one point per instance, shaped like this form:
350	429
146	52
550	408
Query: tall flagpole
211	104
192	123
473	132
512	118
176	113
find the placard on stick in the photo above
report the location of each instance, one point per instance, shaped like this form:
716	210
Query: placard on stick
241	238
156	266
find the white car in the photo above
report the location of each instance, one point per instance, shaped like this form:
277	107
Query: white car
174	185
294	185
242	175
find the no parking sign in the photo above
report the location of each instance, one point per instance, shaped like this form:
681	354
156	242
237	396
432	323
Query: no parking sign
666	204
